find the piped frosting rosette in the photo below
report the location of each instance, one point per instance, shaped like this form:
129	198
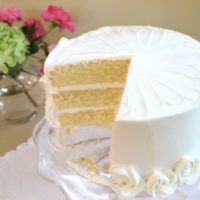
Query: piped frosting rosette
161	183
188	170
126	181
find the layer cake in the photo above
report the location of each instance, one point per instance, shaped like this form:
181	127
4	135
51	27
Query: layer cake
143	85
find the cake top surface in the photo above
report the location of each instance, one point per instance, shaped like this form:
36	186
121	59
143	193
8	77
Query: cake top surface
121	41
164	73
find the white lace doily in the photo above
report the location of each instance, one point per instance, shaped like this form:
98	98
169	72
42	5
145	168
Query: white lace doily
19	179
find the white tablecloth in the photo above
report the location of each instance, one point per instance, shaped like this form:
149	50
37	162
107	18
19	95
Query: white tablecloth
19	179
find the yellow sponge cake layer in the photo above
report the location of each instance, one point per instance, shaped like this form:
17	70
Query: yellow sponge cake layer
90	72
88	98
99	118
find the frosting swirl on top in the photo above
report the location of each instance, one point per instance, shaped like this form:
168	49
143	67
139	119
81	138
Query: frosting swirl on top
188	170
161	183
126	181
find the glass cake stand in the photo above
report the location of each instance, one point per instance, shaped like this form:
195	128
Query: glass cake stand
80	180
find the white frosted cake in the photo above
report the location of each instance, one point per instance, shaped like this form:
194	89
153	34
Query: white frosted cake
142	84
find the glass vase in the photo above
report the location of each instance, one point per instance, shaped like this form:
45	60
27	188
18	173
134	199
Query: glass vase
21	97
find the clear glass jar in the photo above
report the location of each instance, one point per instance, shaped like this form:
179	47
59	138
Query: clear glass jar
21	97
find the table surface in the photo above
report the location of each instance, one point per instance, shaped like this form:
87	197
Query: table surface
11	135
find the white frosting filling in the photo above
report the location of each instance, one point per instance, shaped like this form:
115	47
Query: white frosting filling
51	112
82	109
87	87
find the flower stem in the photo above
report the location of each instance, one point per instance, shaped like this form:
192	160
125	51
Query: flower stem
34	103
28	72
51	29
36	57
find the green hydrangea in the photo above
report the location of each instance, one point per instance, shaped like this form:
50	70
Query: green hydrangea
13	47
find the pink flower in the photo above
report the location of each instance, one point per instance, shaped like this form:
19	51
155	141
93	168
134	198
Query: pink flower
51	47
59	16
41	71
10	15
33	29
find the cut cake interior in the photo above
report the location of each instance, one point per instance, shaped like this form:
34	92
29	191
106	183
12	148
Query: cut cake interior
88	92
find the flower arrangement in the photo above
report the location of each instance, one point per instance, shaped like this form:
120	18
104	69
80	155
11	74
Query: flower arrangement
19	43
